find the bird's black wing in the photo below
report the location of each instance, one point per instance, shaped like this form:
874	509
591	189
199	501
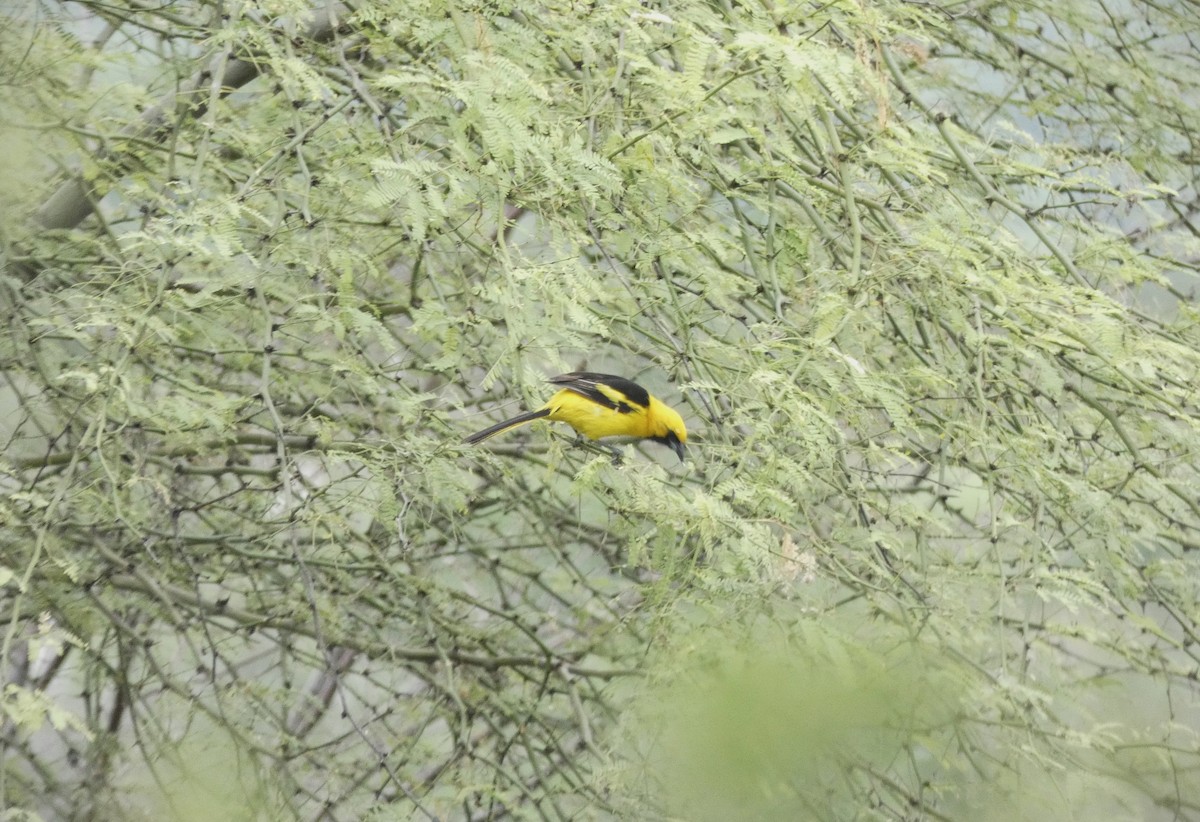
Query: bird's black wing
629	396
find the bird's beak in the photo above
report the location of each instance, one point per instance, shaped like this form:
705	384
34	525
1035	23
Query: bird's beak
679	449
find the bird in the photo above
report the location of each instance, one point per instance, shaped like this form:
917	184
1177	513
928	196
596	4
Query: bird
602	406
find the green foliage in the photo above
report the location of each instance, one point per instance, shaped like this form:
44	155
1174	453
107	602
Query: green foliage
920	277
765	733
207	777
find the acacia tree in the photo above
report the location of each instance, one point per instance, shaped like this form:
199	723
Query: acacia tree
918	274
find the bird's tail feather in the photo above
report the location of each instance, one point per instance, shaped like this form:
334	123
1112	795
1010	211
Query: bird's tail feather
500	427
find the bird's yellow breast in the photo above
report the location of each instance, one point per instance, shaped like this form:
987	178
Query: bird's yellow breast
596	421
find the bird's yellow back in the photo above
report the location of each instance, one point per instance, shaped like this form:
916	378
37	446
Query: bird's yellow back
599	406
596	421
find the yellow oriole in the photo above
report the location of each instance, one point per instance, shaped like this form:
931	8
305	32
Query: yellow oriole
601	406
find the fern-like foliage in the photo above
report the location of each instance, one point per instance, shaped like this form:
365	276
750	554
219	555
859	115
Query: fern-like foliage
920	277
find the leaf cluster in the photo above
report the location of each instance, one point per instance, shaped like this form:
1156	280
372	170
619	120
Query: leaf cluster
919	276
